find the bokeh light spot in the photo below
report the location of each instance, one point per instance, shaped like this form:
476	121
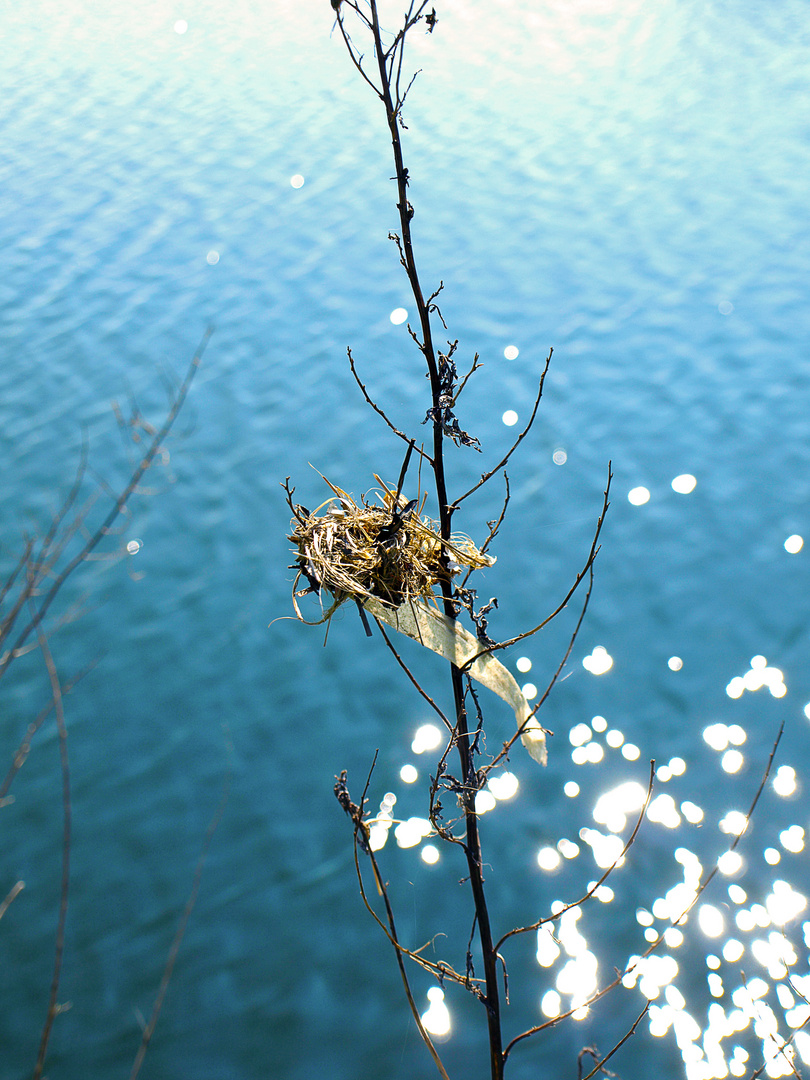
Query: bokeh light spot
684	484
599	661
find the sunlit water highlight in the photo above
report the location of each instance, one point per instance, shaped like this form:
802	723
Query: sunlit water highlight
625	182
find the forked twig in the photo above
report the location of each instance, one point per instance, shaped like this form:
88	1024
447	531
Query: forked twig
594	551
616	862
488	475
361	830
109	521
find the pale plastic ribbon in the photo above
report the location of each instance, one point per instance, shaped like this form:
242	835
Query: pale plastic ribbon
450	640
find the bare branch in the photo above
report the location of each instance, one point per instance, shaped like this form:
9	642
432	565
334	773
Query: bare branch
599	1065
117	509
413	678
616	862
488	475
379	411
594	550
171	959
13	893
53	1006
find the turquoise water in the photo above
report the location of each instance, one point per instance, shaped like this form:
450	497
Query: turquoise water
625	183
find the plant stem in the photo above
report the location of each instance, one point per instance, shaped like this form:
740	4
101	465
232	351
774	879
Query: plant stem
472	845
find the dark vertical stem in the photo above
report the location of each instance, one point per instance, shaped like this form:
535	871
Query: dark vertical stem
472	845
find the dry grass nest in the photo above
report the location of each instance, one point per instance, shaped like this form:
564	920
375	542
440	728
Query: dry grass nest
359	551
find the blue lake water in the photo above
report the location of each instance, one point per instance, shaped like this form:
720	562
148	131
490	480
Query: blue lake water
627	183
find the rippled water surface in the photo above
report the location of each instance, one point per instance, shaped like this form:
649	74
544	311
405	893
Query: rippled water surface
627	183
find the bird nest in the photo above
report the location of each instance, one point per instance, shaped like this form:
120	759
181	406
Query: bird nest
389	552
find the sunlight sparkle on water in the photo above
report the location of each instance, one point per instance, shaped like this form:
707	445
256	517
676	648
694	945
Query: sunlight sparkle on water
638	496
759	675
607	850
733	823
599	661
398	316
567	848
551	1004
785	903
730	862
436	1019
427	737
710	920
523	664
409	833
684	484
580	734
430	854
180	26
548	858
794	544
613	806
408	774
511	352
663	809
674	663
732	761
784	783
504	786
733	950
547	948
297	181
792	839
631	752
510	418
589	753
484	802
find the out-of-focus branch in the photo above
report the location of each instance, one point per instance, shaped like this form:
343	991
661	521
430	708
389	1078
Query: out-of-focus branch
104	529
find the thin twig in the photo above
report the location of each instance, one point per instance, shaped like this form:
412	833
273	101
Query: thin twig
12	894
488	475
594	551
171	959
413	678
620	1043
120	503
379	411
25	746
616	862
53	1006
